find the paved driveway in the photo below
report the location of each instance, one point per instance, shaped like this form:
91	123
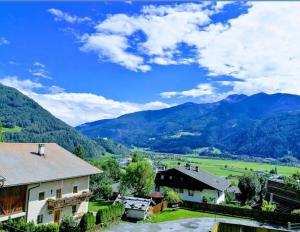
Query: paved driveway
186	225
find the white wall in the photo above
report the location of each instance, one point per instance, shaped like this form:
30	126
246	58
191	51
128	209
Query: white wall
198	195
137	214
36	207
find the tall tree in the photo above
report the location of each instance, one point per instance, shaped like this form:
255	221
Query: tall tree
80	152
138	179
250	187
1	133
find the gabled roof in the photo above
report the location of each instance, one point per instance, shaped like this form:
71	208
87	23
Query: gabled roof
20	164
134	202
206	178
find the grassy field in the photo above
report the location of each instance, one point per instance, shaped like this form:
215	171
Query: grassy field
231	167
94	206
16	129
176	214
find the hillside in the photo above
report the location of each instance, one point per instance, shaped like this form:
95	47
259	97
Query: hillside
261	124
26	121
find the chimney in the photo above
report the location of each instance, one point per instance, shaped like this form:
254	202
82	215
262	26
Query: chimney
41	150
197	169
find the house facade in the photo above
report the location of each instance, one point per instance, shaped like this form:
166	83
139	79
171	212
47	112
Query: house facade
42	182
193	184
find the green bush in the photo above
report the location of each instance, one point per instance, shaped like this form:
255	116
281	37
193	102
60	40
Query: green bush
87	222
68	224
296	212
47	228
19	224
110	213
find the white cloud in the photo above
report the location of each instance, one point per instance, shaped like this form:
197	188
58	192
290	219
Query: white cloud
63	16
165	27
77	108
200	91
39	70
3	41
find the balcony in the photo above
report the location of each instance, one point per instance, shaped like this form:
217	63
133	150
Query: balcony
54	204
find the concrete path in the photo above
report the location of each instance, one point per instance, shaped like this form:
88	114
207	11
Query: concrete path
186	225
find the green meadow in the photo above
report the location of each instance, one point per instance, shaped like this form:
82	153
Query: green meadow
231	167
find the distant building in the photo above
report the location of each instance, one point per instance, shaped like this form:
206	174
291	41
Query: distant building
193	184
135	207
43	182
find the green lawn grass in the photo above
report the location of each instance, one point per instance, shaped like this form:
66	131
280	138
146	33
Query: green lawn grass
94	206
16	129
233	167
176	214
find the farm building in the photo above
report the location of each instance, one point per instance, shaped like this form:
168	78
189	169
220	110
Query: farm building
135	207
42	182
193	184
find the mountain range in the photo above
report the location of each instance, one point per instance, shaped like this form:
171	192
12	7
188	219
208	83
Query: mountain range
266	125
24	120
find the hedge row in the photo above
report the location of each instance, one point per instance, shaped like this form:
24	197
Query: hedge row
22	225
110	213
272	217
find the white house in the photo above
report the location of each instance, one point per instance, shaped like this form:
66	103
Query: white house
42	182
193	184
135	207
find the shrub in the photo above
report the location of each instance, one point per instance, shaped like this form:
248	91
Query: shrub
87	222
19	224
68	224
110	213
47	228
268	206
296	212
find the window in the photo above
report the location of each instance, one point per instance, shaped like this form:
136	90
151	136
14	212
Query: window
191	192
40	219
74	209
58	193
75	189
170	177
181	190
41	196
181	179
162	177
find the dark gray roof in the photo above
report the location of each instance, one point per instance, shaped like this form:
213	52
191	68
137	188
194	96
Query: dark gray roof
206	177
134	202
20	164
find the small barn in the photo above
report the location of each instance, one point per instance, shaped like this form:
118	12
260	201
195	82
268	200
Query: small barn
135	207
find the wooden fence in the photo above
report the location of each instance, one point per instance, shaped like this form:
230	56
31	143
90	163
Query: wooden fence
158	208
228	227
272	217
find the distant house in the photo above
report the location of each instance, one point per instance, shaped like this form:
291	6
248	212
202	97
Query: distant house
193	184
135	207
42	182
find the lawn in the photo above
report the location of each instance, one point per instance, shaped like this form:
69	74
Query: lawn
94	206
231	167
16	129
176	214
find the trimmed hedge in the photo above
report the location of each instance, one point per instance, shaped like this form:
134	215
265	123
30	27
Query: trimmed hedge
68	224
22	225
272	217
87	222
110	213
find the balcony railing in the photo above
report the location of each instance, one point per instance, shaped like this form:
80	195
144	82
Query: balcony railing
54	204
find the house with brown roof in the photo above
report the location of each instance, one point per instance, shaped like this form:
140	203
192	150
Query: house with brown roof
193	184
42	182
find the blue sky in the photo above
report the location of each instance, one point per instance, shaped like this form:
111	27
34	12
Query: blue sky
95	60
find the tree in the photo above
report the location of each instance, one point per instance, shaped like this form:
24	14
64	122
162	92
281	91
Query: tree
110	166
138	179
68	224
249	186
137	157
80	152
103	190
1	133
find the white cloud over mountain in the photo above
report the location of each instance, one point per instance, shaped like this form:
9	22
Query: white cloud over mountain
76	108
